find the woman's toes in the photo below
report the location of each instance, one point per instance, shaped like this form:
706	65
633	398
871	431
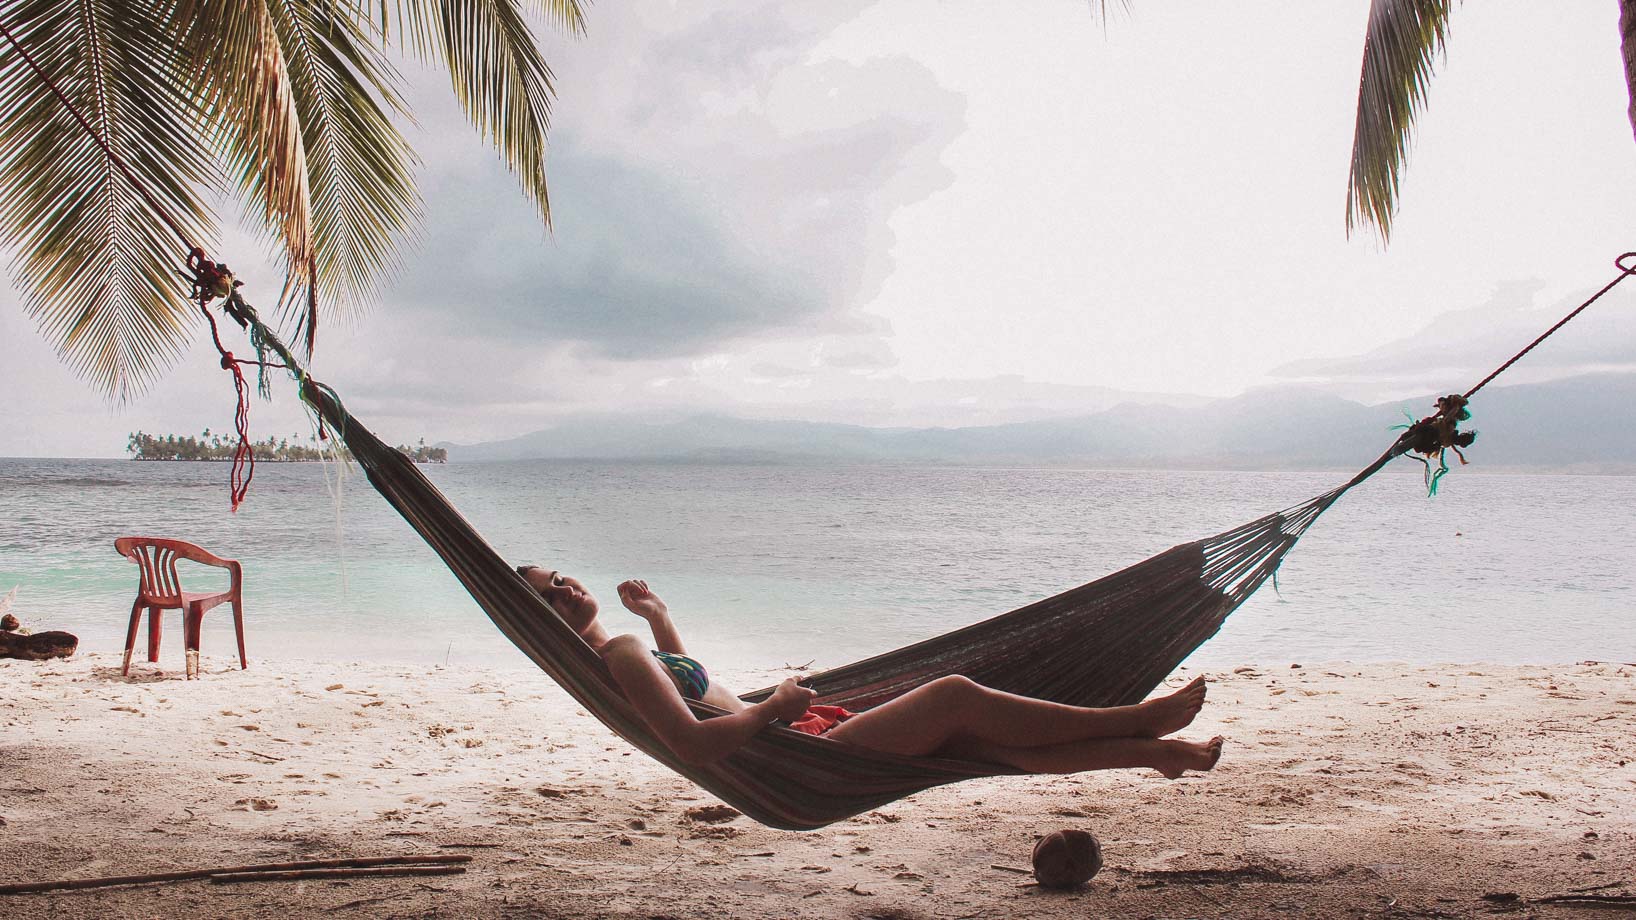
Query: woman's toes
1181	756
1214	747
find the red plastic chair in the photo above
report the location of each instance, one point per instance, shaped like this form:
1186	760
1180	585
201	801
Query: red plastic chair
161	590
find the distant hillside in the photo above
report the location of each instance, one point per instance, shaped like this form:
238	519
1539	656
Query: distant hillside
1585	423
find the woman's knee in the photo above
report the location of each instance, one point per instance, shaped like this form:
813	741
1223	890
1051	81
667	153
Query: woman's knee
955	686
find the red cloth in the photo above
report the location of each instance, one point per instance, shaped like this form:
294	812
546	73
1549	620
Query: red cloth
820	719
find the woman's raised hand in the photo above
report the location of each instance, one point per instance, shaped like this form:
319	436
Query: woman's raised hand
636	597
790	701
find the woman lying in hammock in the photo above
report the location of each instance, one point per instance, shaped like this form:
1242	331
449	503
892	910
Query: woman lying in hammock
947	717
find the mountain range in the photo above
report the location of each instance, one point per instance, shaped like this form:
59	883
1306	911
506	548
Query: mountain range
1578	424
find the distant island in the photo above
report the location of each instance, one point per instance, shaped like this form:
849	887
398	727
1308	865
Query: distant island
143	446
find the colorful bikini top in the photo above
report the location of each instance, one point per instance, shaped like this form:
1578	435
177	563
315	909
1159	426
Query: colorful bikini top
691	678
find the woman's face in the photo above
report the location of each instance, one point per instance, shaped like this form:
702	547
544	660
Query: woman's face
566	596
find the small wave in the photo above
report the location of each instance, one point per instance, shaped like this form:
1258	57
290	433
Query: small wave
89	482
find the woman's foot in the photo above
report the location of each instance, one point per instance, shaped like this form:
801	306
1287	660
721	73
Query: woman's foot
1177	757
1174	712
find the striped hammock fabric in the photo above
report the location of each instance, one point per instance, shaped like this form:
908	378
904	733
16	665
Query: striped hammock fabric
1107	643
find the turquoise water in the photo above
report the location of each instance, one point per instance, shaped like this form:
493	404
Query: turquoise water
771	565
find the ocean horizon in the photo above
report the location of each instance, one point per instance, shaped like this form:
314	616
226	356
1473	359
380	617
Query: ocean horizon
767	566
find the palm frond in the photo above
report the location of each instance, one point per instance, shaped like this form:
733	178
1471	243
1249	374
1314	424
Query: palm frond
567	15
1102	8
1627	41
304	101
1403	38
498	74
242	82
359	167
97	263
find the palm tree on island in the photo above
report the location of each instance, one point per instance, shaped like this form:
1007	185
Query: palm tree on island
290	106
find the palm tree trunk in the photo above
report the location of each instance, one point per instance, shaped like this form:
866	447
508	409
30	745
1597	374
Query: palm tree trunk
1627	36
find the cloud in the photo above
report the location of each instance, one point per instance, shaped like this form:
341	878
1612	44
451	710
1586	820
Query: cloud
1460	347
637	267
858	354
775	371
726	181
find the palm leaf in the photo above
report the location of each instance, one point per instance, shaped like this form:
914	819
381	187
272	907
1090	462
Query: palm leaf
1403	38
1101	8
1627	40
242	81
296	101
359	167
498	75
97	262
303	101
567	15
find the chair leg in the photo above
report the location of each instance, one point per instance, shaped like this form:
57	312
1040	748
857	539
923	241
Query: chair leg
130	636
238	627
193	620
155	619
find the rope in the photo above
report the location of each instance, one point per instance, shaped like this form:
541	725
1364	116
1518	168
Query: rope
1625	271
244	456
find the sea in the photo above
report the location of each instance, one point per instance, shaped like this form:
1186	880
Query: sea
773	566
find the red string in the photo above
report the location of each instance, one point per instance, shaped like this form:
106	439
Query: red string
244	458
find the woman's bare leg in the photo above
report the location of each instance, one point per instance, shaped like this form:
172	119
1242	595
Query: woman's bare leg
929	717
1170	756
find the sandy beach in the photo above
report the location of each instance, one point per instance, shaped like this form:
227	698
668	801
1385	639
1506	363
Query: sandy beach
1346	790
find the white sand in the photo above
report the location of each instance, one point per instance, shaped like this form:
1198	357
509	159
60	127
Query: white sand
1345	790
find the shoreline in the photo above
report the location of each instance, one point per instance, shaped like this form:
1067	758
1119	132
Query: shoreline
1345	788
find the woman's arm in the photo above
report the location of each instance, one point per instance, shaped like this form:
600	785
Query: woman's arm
697	741
644	603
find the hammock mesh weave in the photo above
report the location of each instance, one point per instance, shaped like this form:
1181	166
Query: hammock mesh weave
1107	643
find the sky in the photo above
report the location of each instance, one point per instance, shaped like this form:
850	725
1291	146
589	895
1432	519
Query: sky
927	212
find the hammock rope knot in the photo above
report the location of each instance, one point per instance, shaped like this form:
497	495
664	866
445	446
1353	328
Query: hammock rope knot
1432	437
210	279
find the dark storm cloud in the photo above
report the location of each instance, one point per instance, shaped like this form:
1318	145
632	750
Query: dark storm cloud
637	267
712	180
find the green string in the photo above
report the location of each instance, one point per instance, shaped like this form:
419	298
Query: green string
265	339
1432	476
259	341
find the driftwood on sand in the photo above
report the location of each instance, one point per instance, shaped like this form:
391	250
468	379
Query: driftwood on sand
284	875
15	643
359	865
37	646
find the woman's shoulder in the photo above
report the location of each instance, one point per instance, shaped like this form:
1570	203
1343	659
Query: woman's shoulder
626	644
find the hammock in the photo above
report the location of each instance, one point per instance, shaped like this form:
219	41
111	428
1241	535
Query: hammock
1107	643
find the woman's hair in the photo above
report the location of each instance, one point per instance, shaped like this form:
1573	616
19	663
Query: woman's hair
523	569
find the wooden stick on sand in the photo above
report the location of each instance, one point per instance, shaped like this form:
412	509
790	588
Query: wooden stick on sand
352	863
225	878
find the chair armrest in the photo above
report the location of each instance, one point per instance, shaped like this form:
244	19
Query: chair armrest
205	557
202	556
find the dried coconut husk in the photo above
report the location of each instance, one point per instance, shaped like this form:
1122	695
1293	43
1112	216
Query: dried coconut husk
1067	858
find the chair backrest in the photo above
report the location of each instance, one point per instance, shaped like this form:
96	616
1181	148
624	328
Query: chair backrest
156	557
